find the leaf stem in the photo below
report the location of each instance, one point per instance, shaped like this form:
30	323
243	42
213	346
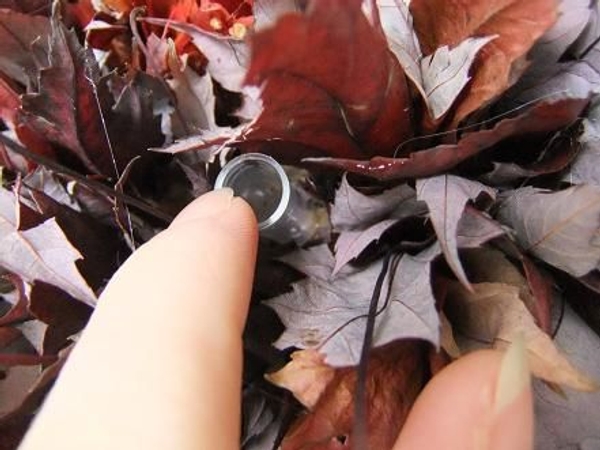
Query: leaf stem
360	439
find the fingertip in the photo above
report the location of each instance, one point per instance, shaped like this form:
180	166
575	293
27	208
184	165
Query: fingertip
220	206
457	410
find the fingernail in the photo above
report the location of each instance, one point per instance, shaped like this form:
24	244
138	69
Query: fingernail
514	375
211	204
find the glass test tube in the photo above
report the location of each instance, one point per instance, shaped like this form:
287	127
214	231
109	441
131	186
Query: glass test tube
285	213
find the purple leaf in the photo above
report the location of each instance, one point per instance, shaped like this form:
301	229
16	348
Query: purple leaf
17	33
354	210
549	79
257	417
475	228
572	20
362	219
560	228
350	244
446	197
330	313
591	31
40	253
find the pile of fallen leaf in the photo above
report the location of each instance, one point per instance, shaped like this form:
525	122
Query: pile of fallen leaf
456	144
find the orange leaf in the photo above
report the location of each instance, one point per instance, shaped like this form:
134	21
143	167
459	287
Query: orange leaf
306	376
518	24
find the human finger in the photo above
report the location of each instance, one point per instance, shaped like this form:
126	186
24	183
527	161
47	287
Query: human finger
159	365
482	401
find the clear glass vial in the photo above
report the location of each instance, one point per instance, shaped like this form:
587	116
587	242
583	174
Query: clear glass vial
286	212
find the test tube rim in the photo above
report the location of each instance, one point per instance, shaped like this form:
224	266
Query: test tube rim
284	201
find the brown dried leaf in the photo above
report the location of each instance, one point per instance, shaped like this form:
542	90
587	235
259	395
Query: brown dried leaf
447	341
495	313
517	24
490	265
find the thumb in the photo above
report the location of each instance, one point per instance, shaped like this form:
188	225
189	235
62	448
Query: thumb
159	364
482	401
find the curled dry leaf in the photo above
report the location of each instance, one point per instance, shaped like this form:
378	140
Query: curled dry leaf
494	313
560	228
543	117
517	24
227	58
395	377
490	265
306	376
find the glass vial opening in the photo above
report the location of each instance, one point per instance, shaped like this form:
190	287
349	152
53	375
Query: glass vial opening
262	182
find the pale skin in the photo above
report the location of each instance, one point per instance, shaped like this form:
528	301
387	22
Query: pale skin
159	365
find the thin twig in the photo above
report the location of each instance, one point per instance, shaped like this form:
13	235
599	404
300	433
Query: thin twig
59	169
